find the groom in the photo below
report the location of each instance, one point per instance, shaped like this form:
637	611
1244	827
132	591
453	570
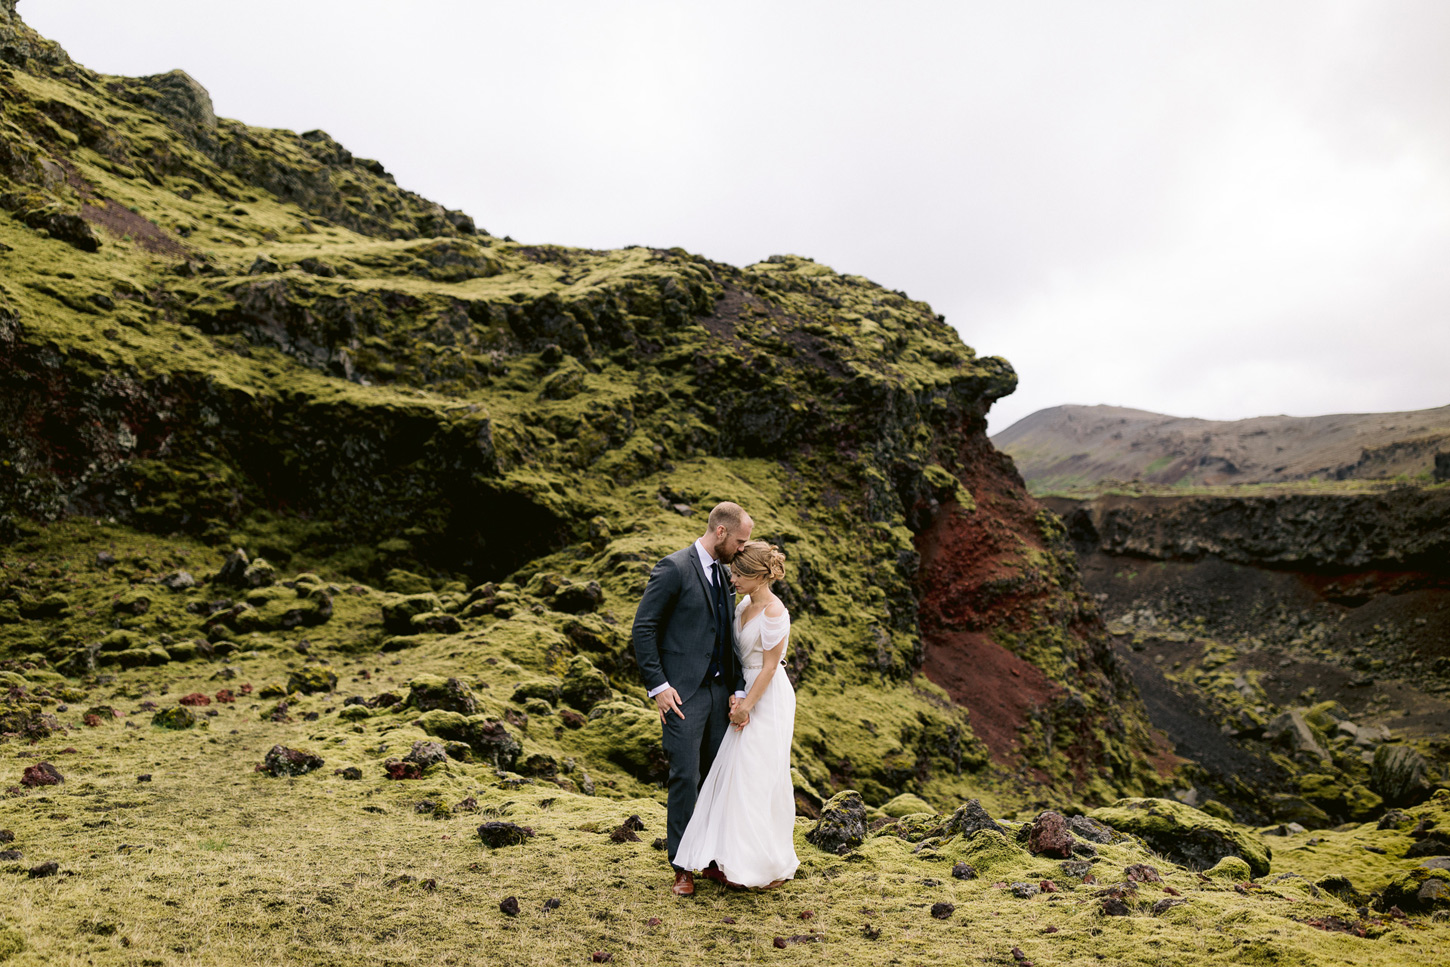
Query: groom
684	642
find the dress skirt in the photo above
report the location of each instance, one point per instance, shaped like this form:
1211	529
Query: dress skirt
744	818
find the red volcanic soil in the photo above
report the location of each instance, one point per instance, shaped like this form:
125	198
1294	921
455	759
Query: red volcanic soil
970	583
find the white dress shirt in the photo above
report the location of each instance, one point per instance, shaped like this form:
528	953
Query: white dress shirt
707	561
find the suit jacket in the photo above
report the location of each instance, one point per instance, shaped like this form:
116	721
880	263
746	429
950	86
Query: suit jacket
674	628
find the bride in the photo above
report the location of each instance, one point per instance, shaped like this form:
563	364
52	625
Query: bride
741	832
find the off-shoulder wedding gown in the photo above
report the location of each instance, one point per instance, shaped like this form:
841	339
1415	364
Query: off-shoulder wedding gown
744	818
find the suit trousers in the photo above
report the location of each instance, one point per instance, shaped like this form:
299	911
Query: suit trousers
690	745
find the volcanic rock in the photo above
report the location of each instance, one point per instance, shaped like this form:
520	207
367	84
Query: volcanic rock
842	826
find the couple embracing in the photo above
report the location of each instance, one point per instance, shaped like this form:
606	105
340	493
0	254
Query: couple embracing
713	666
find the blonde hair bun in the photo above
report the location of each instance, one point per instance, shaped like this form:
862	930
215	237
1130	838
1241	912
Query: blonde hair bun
760	559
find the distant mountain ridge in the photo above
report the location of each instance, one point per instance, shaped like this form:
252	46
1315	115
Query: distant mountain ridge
1074	446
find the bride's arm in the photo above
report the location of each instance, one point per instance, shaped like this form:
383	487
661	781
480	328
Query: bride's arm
770	663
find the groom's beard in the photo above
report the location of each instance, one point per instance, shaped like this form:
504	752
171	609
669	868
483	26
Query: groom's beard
722	552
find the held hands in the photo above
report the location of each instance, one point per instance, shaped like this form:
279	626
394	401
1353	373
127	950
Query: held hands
739	714
669	701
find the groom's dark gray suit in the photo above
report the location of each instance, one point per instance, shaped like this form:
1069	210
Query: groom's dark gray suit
674	640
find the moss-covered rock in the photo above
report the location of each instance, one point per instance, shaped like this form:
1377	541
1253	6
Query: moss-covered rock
310	679
282	761
1398	775
842	825
626	736
584	686
398	614
1418	891
177	717
1231	868
427	692
905	805
1184	834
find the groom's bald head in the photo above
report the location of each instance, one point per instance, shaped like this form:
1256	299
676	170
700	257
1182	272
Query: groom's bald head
727	530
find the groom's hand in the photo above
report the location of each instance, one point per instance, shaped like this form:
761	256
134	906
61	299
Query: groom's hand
739	717
669	701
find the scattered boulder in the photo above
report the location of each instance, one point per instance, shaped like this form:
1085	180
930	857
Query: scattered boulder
1142	873
509	906
546	689
282	761
398	614
1184	834
48	868
584	686
41	774
1090	829
177	717
351	773
136	601
1418	891
906	804
1025	891
578	598
964	871
428	692
1115	907
401	770
310	679
842	826
426	753
499	835
970	817
1291	730
234	566
1232	868
1049	836
194	699
489	739
942	911
434	623
177	581
1398	774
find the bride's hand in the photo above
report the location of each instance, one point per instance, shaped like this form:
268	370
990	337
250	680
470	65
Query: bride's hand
739	717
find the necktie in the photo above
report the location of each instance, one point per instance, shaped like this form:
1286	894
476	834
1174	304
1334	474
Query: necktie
722	622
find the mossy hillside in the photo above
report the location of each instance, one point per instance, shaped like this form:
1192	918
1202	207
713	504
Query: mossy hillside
354	397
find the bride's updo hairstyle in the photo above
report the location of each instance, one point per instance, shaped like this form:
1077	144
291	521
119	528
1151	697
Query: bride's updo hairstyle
759	560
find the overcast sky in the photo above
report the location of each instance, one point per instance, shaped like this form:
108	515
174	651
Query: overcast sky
1218	210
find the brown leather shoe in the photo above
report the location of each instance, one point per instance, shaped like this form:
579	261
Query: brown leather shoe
684	883
713	872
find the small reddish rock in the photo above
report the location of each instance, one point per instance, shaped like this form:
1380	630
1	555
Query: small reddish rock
807	914
195	698
1142	873
1114	907
653	922
41	774
1050	836
225	696
602	957
1047	886
245	688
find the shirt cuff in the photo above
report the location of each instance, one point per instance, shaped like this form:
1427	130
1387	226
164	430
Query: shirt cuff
655	691
739	693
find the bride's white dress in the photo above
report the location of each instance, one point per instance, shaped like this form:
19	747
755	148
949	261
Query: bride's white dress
744	818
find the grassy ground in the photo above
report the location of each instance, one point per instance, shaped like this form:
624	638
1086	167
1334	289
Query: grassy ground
212	862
